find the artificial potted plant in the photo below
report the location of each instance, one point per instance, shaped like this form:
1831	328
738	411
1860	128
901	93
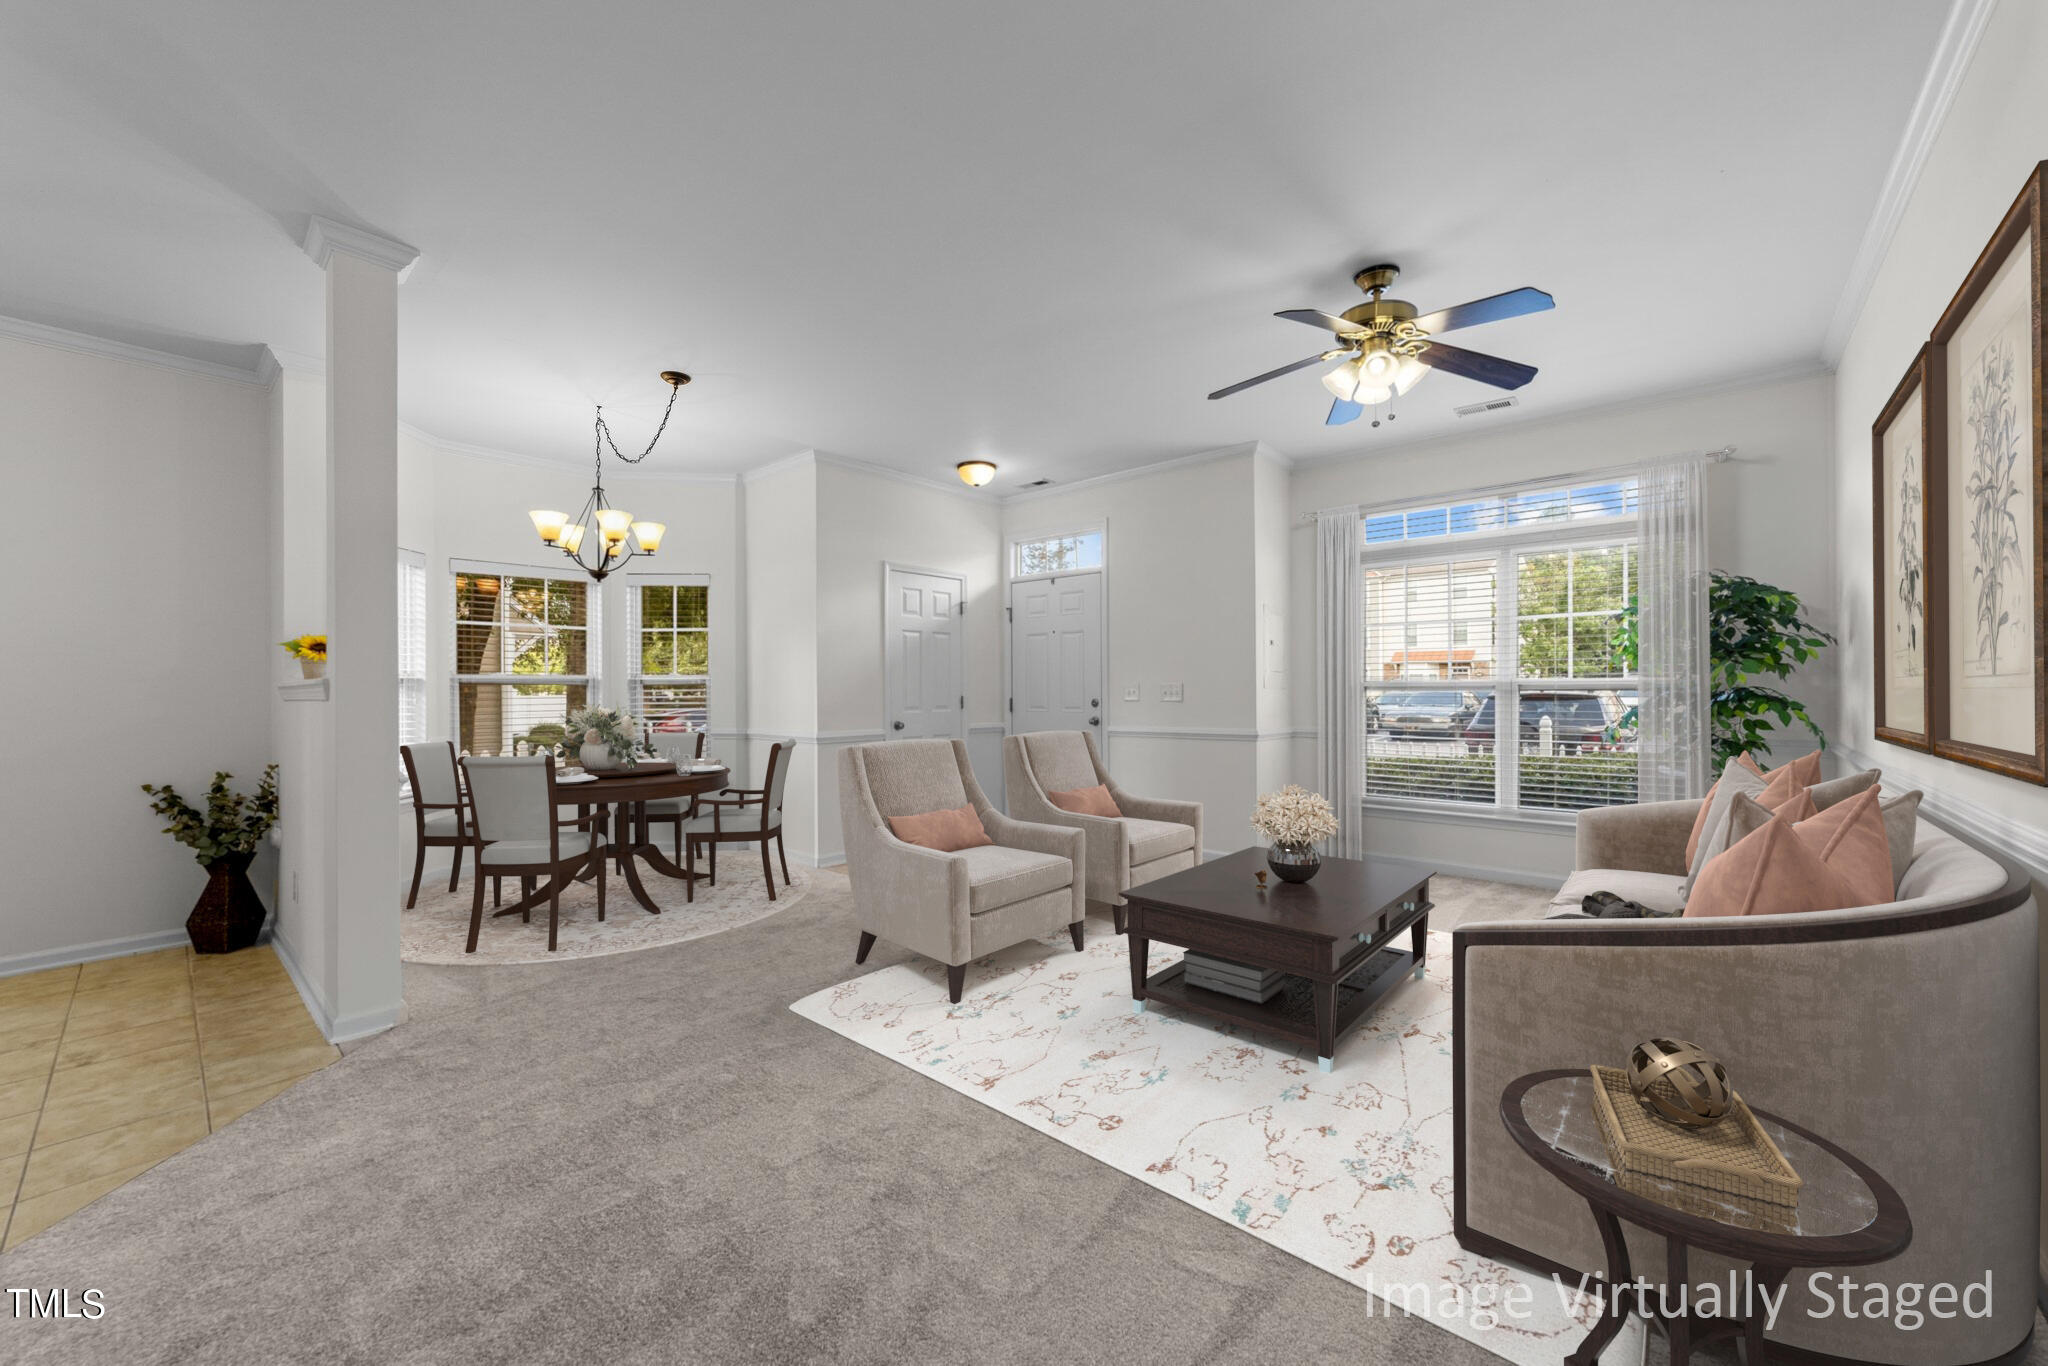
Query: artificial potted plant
311	652
223	837
607	738
1291	821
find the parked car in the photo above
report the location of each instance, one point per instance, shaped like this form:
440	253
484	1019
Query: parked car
694	718
1578	720
1433	714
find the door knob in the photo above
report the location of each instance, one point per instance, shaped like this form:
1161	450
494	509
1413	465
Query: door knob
899	725
1094	701
1094	720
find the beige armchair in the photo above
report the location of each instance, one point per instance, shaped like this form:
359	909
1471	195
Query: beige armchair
953	907
1153	838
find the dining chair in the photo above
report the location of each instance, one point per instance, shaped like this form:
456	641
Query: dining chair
743	815
513	805
684	749
439	818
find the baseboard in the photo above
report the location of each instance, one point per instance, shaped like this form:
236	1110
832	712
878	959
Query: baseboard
342	1029
88	953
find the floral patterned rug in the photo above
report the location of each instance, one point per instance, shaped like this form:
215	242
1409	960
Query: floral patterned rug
436	930
1349	1171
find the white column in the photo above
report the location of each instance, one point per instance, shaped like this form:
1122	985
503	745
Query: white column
362	986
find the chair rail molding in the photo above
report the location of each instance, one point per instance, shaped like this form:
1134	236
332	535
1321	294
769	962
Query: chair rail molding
2026	845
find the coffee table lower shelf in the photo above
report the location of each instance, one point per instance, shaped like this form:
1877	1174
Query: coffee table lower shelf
1292	1013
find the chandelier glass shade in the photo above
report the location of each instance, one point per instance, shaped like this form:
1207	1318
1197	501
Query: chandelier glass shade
615	535
1375	376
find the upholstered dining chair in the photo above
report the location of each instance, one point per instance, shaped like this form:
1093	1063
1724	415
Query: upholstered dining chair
439	817
744	815
513	804
1147	838
956	906
683	748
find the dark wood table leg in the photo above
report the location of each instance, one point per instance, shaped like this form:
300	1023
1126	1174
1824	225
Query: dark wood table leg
1678	1286
1325	994
1139	947
1763	1280
1618	1274
1418	941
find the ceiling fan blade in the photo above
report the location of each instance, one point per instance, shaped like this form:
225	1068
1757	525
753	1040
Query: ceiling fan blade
1455	360
1342	411
1315	317
1270	374
1491	309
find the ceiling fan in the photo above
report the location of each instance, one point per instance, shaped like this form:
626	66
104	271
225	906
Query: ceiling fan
1386	347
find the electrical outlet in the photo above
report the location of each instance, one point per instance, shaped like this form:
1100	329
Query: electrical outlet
1172	692
1131	693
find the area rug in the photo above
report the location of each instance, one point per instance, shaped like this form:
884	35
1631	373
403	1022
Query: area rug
1349	1171
436	929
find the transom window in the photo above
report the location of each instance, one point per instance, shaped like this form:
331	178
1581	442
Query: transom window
1059	554
523	658
670	675
1488	607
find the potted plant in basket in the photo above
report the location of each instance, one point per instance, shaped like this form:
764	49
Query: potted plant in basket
311	652
223	837
1291	821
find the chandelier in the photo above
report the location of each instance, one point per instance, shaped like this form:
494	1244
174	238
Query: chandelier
614	536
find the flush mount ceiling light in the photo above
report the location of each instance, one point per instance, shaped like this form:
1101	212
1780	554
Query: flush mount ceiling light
975	473
618	537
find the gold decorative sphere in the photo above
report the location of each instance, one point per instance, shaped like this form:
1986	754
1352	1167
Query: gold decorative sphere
1695	1091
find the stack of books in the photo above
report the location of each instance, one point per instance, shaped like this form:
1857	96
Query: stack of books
1241	980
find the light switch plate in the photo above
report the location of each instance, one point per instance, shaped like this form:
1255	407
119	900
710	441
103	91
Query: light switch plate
1171	692
1131	693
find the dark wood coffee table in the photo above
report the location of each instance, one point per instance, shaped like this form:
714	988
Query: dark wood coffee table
1334	937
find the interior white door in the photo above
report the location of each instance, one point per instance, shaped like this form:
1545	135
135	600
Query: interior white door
923	662
1056	653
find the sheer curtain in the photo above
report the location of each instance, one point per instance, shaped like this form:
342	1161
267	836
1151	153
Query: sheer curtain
1671	622
1340	674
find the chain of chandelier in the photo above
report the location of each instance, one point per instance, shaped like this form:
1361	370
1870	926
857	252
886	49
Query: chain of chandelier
613	535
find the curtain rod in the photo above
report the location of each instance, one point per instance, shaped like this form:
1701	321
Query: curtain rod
1571	476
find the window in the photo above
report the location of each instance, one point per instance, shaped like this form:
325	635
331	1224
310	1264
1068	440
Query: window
412	648
523	657
670	672
1503	605
1058	554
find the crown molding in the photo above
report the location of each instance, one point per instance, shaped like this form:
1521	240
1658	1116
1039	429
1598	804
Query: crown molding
1958	44
325	237
541	462
1181	462
953	489
63	339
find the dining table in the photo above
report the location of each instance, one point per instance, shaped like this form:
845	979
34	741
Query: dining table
629	791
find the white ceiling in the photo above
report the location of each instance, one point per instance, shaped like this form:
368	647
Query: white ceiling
913	232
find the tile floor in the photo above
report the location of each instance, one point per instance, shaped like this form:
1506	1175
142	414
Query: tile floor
108	1068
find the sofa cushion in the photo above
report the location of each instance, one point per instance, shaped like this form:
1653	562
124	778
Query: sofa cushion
946	831
1156	839
1900	815
998	875
1770	872
1738	778
1657	891
1699	820
1086	801
1835	790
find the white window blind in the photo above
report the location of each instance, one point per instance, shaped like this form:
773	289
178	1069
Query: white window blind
526	647
668	624
412	647
1495	606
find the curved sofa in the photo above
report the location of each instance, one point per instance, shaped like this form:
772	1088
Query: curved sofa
1908	1033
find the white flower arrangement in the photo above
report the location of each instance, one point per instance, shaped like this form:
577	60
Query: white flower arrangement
1294	815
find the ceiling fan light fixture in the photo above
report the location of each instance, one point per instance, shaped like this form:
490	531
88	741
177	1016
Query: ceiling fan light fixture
975	473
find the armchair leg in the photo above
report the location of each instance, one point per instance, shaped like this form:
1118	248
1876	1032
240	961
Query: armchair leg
956	981
767	868
1075	930
419	861
867	941
782	855
476	916
454	872
1116	916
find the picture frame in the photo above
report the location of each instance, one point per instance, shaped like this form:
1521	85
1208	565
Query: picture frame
1988	539
1903	447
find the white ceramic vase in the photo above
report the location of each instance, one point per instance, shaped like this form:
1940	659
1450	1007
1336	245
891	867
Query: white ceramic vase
596	757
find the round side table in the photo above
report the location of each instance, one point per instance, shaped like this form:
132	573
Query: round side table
1847	1214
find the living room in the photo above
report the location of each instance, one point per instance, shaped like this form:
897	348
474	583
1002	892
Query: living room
975	728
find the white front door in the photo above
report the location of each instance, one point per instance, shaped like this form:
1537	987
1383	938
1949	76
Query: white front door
923	664
1056	653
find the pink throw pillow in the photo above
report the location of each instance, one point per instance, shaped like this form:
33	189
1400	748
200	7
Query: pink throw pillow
1086	801
1770	871
946	831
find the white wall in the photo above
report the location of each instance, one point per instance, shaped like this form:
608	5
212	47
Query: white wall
780	551
138	634
1769	515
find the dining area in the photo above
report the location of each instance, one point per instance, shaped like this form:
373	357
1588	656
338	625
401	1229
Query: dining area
550	831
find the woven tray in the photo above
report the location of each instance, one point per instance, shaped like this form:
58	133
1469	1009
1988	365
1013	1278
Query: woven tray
1732	1156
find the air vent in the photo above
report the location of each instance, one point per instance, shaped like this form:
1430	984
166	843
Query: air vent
1491	405
1037	484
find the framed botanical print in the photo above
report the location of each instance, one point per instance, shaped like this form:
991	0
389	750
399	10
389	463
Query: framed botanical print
1990	702
1901	441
